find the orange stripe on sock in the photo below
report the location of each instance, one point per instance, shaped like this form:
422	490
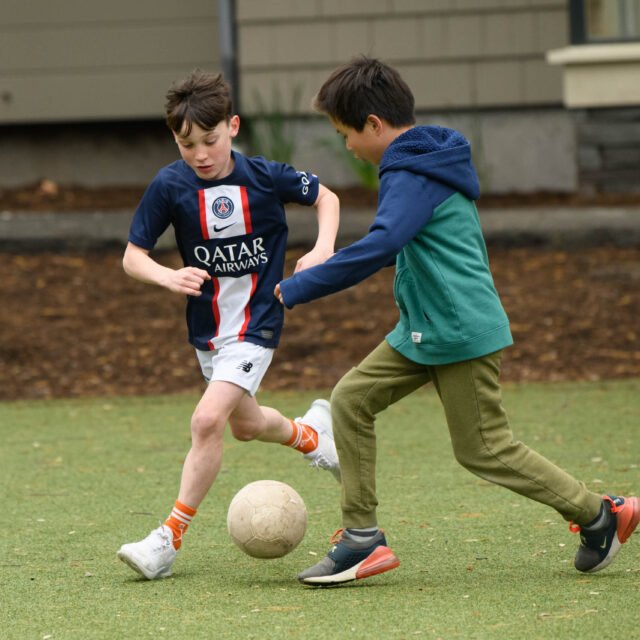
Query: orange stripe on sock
183	507
303	438
179	521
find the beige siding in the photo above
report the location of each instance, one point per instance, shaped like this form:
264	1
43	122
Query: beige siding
454	53
86	60
274	9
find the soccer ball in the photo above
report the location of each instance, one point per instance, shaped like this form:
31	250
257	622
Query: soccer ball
267	519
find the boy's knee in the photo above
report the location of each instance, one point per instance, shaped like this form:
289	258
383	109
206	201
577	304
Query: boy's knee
244	434
351	403
245	431
346	389
336	398
478	457
466	459
340	403
206	424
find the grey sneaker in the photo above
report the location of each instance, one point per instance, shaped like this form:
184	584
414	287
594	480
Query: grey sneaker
350	560
153	556
324	455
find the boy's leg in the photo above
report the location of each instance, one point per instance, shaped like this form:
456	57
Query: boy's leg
153	556
311	435
245	364
382	378
208	422
233	373
483	442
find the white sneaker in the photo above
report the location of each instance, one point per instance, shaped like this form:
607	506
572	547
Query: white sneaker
324	455
153	556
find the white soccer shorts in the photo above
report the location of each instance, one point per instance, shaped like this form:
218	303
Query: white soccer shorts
242	363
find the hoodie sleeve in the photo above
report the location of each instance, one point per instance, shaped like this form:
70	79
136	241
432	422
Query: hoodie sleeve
405	206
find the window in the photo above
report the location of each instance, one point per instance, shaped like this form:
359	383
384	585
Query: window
604	21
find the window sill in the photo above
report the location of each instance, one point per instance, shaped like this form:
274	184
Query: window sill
599	75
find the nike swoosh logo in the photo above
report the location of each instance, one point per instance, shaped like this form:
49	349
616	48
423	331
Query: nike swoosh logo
217	229
604	544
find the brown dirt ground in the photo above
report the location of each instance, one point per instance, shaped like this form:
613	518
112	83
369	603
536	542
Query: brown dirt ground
74	325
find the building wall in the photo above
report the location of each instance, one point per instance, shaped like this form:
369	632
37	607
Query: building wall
81	60
477	65
608	150
456	54
127	153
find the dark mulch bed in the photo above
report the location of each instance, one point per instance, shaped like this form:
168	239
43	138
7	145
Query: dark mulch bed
75	325
49	196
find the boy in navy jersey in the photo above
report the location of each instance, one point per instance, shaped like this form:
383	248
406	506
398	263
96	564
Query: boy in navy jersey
451	329
229	223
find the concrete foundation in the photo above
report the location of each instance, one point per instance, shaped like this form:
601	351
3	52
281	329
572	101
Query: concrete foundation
514	150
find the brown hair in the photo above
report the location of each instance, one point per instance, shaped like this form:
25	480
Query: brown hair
201	98
362	87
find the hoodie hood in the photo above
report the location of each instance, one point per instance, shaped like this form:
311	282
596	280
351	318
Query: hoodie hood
438	153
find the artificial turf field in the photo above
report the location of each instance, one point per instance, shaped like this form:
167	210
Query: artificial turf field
79	478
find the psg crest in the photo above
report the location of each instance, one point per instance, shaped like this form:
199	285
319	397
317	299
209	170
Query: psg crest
222	207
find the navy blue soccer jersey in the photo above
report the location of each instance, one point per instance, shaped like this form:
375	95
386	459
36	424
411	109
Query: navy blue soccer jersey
235	229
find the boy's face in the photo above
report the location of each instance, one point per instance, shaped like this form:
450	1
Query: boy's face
366	144
208	151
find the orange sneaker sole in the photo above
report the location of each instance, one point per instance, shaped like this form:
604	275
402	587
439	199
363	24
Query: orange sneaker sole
628	518
381	560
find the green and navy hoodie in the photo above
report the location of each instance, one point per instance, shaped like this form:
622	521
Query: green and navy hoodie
428	224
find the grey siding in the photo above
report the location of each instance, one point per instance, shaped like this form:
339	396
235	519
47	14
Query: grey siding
454	53
88	60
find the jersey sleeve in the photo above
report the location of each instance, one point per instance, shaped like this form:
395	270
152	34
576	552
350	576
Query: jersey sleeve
152	217
294	186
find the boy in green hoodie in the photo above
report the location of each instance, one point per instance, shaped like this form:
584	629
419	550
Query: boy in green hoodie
451	331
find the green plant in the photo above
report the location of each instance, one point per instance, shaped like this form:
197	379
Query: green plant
271	132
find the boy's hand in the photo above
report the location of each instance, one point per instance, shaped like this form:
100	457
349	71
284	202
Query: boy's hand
315	256
187	280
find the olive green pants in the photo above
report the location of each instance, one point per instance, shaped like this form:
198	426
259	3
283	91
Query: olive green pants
480	433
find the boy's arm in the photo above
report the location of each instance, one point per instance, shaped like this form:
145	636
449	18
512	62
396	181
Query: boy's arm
140	265
328	208
402	212
346	268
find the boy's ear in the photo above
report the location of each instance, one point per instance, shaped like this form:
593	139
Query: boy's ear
234	126
375	123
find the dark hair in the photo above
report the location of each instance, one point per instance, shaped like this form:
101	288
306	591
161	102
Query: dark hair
201	98
362	87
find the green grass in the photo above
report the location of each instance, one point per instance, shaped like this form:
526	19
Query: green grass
79	478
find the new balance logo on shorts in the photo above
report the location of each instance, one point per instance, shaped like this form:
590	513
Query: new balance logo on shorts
245	366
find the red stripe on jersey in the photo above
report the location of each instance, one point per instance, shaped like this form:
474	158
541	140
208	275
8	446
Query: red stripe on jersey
245	210
203	215
216	310
247	309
